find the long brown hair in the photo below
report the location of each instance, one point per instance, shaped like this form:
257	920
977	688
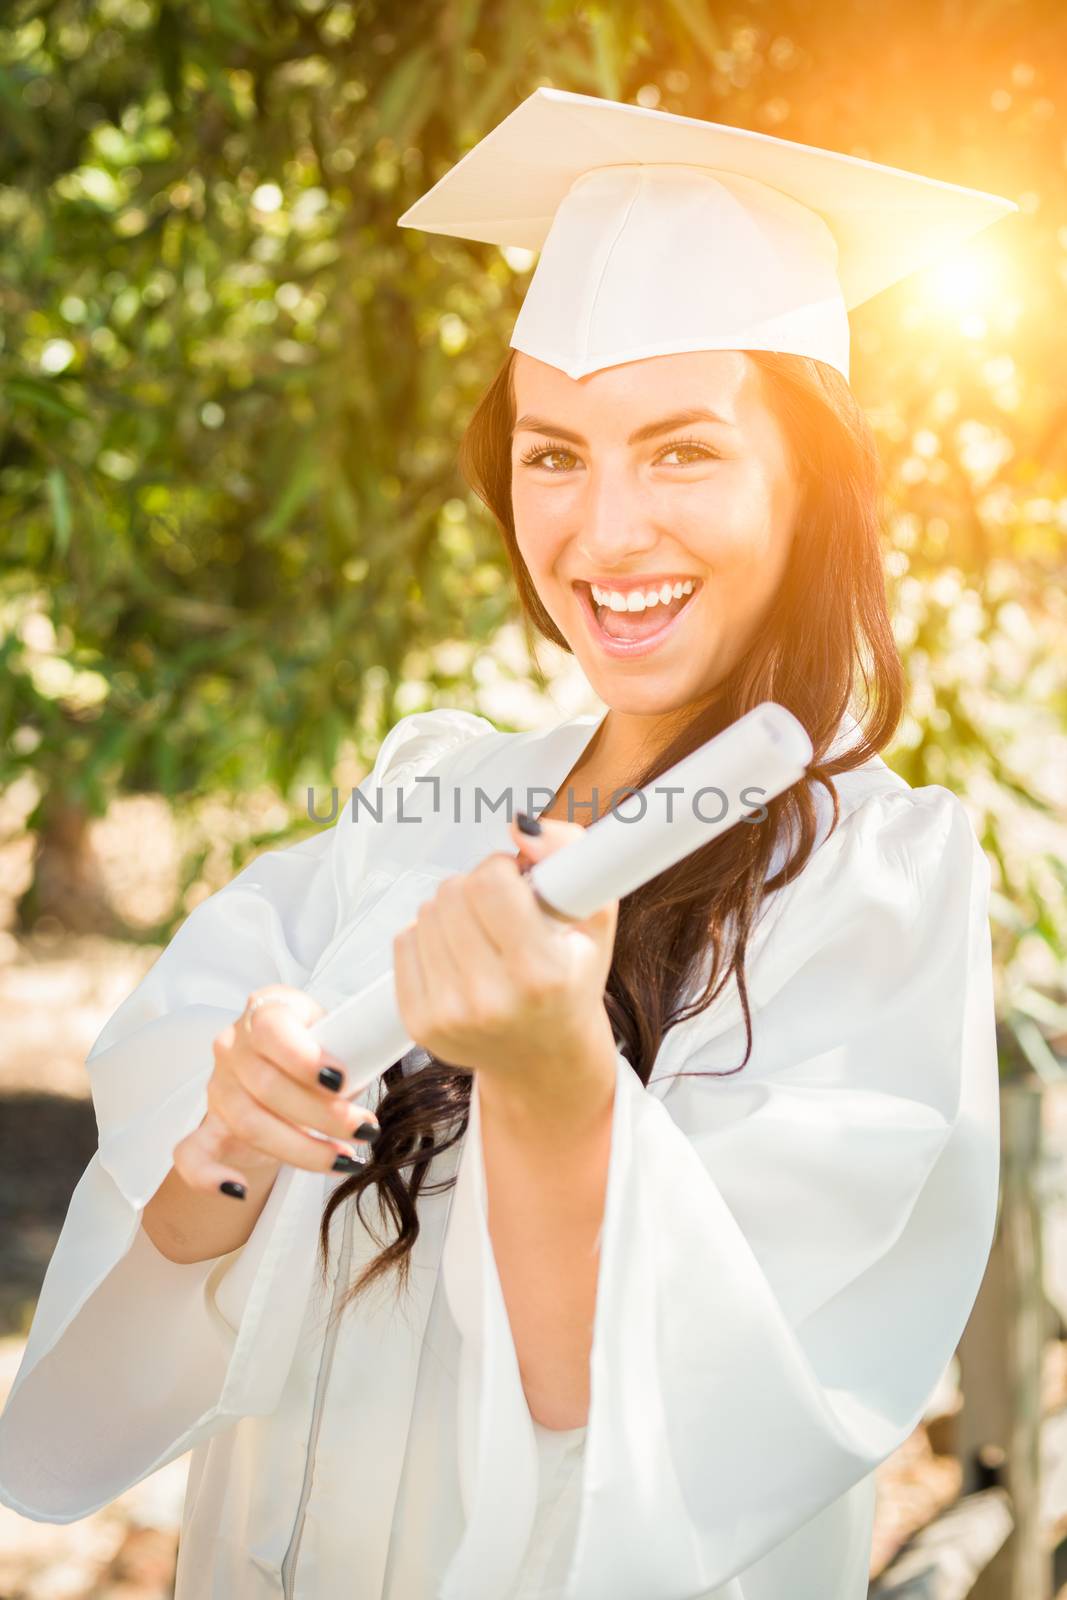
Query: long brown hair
828	624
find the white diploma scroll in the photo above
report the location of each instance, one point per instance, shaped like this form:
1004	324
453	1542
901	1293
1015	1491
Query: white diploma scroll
705	794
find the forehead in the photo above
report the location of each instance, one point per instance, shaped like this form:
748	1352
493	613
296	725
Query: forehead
726	381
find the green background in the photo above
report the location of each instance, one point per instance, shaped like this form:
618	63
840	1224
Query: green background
235	543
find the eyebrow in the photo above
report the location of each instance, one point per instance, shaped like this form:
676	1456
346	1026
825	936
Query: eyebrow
680	419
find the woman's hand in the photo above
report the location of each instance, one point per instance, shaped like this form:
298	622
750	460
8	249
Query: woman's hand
487	979
264	1092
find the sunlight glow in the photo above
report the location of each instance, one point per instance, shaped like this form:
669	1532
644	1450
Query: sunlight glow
970	286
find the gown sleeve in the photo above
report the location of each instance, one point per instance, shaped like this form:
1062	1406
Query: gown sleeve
130	1361
789	1255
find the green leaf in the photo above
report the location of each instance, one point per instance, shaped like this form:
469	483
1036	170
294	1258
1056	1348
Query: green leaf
168	43
40	395
225	15
607	55
405	99
298	490
698	22
59	499
1039	1054
16	119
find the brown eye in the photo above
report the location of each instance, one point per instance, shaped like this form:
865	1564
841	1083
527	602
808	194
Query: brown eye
534	457
698	451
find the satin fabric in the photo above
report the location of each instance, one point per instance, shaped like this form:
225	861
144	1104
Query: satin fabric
788	1257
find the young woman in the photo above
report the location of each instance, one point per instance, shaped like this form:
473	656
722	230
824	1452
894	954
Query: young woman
671	1219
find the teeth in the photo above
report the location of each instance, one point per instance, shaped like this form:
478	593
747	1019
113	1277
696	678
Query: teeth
636	601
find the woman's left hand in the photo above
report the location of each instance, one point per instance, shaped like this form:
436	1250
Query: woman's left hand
487	979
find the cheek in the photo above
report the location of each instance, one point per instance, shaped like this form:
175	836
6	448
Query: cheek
542	519
727	521
744	520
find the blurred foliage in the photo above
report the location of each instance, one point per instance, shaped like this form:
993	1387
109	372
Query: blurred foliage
231	388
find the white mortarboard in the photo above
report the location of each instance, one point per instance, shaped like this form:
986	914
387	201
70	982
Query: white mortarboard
660	233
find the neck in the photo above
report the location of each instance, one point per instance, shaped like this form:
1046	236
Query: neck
622	747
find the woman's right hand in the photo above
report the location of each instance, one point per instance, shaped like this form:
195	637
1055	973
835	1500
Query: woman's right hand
264	1092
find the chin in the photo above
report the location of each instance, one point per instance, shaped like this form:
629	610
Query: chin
649	697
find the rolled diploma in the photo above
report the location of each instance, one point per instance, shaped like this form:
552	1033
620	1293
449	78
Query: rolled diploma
762	753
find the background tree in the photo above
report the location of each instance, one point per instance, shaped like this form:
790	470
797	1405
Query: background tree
235	542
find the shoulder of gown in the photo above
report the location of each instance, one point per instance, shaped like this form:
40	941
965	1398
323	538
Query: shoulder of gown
129	1361
789	1252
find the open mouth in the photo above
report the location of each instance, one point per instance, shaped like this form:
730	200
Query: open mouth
627	633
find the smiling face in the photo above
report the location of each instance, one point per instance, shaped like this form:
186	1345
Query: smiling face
671	470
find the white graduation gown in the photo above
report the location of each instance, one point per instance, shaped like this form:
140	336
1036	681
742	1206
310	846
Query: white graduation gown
788	1257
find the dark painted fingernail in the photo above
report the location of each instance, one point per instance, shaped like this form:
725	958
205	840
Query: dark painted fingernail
366	1130
347	1164
236	1189
528	824
330	1078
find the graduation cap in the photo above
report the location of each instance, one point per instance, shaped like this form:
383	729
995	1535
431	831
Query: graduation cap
660	233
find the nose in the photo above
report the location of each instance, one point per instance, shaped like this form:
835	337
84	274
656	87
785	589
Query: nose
612	521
